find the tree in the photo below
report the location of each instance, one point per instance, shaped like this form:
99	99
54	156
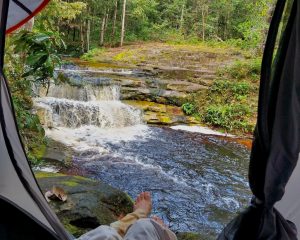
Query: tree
123	23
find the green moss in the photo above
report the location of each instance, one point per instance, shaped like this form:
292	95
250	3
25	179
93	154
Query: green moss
189	236
70	183
164	119
39	151
124	56
83	178
47	175
75	231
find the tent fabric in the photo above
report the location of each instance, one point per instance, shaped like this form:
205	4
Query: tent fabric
18	186
21	12
276	144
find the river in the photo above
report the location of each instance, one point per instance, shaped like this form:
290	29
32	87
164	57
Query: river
198	181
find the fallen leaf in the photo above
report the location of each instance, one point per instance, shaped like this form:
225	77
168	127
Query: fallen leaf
59	193
48	195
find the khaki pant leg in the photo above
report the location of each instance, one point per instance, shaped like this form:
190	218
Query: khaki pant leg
101	233
147	229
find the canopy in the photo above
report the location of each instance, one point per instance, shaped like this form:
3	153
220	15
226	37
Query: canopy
276	144
25	213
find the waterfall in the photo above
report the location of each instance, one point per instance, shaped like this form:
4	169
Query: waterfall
74	107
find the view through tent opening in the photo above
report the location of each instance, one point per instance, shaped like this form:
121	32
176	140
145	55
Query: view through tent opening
114	98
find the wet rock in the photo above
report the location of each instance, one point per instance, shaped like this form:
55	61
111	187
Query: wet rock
90	203
57	151
161	114
153	95
44	116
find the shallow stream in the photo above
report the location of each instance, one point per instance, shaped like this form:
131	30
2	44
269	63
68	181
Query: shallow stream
198	182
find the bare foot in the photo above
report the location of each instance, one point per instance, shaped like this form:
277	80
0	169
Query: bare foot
159	221
144	202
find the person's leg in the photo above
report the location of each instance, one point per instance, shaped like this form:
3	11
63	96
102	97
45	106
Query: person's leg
101	233
149	229
142	209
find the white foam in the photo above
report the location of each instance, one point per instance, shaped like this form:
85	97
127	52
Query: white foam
107	71
49	169
200	129
104	114
91	138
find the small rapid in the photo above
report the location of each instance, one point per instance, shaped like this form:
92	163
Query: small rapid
73	107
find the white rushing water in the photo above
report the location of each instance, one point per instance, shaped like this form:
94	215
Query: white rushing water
83	117
200	129
83	93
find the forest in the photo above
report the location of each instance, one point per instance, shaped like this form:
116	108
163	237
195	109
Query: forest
87	24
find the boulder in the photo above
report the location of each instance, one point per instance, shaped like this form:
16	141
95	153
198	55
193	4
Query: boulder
57	151
89	204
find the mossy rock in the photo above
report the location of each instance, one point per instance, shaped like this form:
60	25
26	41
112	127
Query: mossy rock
90	203
190	236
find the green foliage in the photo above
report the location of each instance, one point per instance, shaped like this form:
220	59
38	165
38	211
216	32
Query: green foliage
58	11
30	57
40	51
242	23
228	116
243	69
233	90
90	54
189	108
231	100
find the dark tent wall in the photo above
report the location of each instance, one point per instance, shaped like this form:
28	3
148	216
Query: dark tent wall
277	138
18	187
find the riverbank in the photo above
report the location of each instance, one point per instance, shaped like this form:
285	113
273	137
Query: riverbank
90	203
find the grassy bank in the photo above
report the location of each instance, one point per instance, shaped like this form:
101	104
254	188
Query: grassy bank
230	103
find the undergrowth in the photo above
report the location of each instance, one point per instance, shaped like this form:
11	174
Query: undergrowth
231	101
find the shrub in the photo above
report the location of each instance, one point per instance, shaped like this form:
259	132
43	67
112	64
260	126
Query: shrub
92	53
243	69
188	108
233	89
228	116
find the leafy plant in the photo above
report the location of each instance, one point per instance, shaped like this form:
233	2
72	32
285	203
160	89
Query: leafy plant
30	57
40	54
188	108
228	116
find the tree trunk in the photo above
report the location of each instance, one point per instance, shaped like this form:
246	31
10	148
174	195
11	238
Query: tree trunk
182	18
82	37
88	33
29	25
203	24
102	30
74	33
114	21
106	23
123	23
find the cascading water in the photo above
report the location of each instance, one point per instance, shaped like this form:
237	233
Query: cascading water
74	107
198	182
